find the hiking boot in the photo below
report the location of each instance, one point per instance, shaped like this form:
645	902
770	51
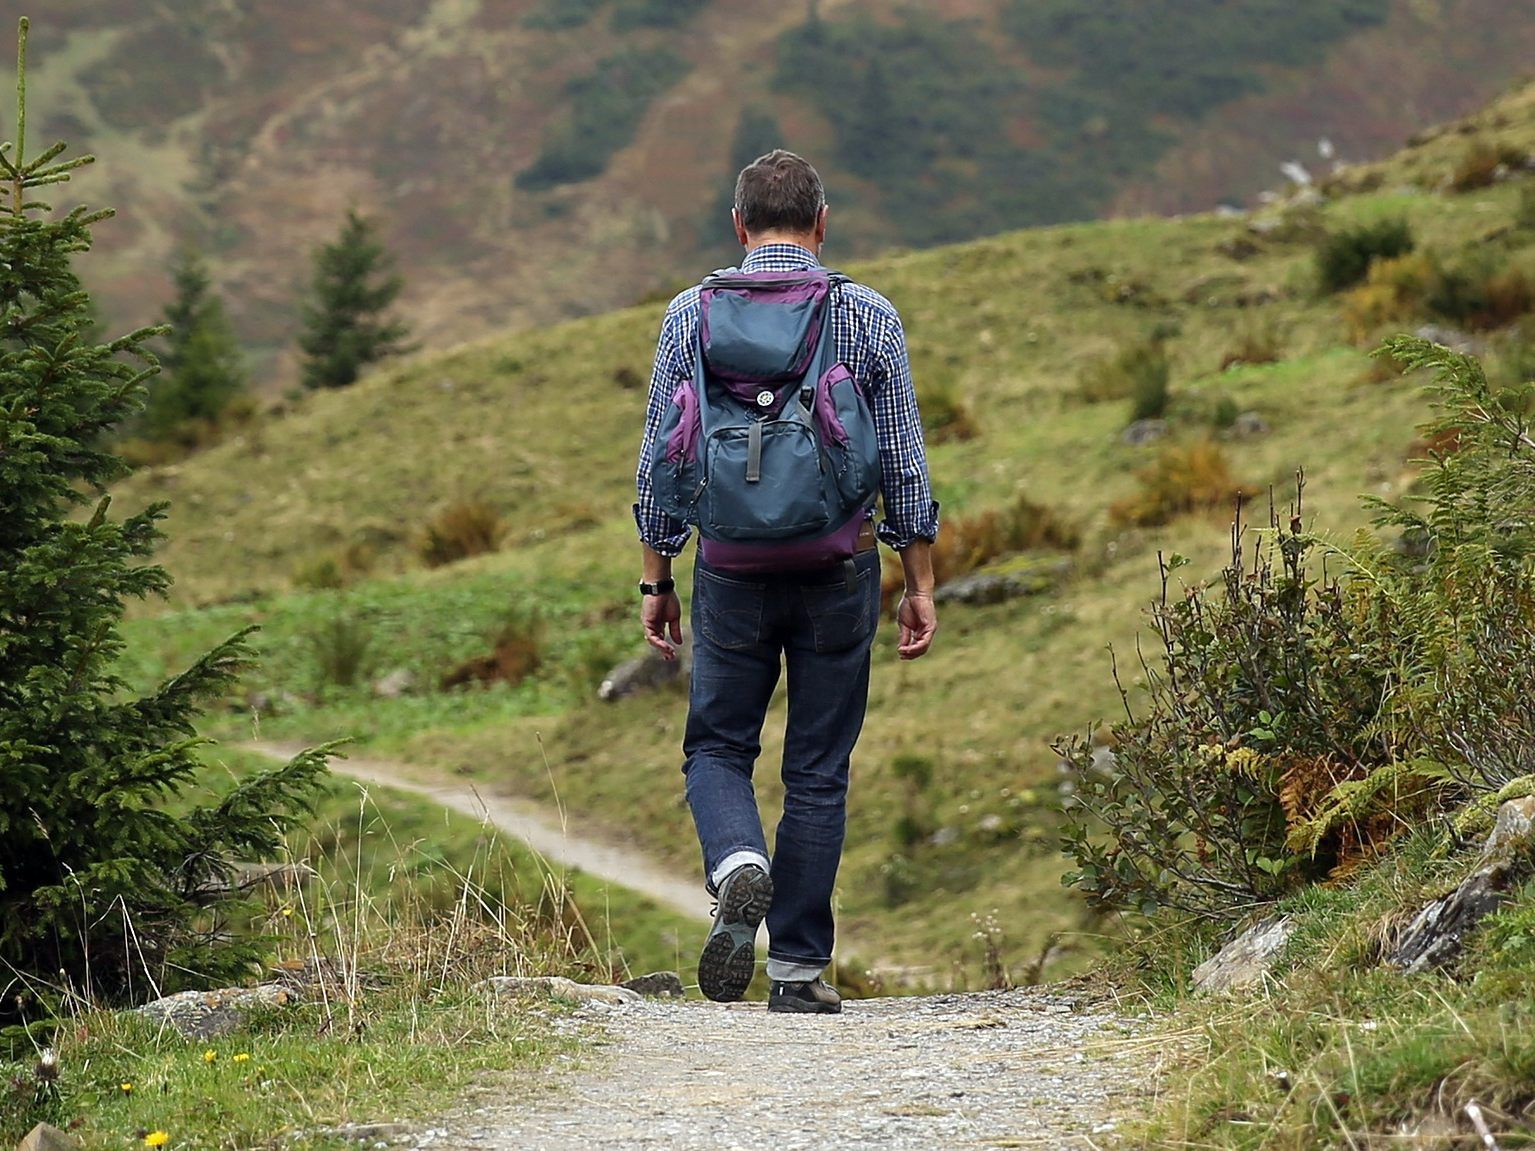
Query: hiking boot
812	997
729	956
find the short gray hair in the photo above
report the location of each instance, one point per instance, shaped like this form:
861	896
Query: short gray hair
779	192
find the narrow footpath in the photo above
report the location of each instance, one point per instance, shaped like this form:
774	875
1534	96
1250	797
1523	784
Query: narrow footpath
548	834
1032	1068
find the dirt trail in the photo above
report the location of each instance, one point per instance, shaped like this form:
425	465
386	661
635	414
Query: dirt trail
553	837
1030	1068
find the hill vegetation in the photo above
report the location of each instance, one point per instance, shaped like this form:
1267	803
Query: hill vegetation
530	160
957	791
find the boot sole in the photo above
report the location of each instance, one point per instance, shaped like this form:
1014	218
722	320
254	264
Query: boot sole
729	957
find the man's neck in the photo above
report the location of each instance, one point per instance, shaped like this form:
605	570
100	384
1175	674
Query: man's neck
799	239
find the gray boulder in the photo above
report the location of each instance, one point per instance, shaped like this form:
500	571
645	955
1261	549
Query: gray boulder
557	986
985	587
1246	959
1438	932
209	1014
641	674
1143	432
46	1137
656	985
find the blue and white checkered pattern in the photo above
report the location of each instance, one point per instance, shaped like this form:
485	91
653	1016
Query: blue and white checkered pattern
870	341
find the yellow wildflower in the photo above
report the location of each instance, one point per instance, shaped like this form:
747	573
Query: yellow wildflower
288	912
156	1139
127	1088
243	1057
210	1055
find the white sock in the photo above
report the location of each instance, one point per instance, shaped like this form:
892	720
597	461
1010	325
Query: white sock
735	860
782	971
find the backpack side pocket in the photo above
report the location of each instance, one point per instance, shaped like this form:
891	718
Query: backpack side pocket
846	425
676	475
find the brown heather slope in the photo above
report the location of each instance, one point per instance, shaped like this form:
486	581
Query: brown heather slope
248	129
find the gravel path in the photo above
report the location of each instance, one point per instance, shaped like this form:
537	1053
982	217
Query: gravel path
1029	1068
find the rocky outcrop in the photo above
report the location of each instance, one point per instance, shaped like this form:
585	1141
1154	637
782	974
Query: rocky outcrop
656	985
1438	932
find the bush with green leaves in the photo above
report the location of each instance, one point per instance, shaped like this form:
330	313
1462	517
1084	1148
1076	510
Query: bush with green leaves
1294	725
110	867
1258	705
1343	258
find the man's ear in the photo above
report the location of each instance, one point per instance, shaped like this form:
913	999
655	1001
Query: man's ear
820	225
735	218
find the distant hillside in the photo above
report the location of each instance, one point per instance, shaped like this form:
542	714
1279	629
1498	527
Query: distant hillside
535	159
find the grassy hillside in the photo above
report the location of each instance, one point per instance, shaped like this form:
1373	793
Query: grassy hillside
533	160
543	426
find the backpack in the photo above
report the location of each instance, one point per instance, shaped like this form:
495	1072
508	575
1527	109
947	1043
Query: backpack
770	449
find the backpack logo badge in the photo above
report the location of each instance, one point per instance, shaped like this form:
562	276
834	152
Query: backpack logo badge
764	398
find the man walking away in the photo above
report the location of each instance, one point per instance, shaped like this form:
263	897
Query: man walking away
807	606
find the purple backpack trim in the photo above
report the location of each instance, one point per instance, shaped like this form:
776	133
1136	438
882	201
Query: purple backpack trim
682	444
800	555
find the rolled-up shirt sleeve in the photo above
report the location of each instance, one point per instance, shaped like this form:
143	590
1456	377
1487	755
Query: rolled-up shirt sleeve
658	530
911	513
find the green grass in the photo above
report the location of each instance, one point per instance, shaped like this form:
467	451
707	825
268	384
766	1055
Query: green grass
1338	1051
410	905
544	426
287	1077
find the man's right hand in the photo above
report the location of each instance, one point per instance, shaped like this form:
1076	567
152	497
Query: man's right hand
918	620
661	615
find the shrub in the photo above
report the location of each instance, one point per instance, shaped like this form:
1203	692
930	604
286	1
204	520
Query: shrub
341	646
1138	372
1394	291
1257	342
1524	211
1483	164
1343	259
517	651
335	569
1259	705
1294	725
1480	293
460	530
945	416
1184	478
966	543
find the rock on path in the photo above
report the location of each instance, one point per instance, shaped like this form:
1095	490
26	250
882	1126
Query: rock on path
1024	1068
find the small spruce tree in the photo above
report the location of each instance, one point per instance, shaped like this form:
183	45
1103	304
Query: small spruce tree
201	367
110	860
345	328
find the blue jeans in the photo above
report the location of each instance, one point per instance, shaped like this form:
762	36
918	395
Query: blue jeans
744	628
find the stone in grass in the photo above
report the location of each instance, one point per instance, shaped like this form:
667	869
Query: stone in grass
46	1137
561	988
1438	932
1143	432
1246	959
209	1014
658	984
641	674
998	585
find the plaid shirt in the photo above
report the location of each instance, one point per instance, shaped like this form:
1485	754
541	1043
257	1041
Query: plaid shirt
870	341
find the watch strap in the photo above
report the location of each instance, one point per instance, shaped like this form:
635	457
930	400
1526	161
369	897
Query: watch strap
660	587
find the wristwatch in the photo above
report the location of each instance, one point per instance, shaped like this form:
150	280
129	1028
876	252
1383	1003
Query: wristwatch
660	587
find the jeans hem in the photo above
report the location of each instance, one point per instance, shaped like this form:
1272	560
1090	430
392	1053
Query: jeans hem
800	960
